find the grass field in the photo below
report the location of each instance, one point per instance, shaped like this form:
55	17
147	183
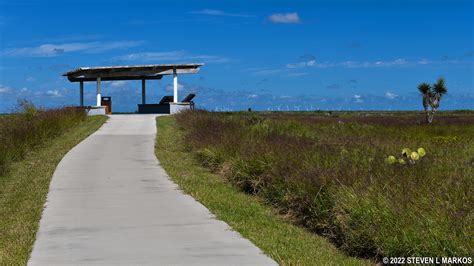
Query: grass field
286	243
25	178
328	173
20	132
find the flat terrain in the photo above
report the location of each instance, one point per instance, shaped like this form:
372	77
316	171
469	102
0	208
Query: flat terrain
111	203
332	173
286	243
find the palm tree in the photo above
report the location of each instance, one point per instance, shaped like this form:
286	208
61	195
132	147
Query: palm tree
425	90
432	96
439	89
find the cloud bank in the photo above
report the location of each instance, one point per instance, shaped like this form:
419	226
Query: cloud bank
215	12
171	56
285	18
51	50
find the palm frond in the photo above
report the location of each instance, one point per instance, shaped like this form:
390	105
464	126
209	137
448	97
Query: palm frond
440	87
424	88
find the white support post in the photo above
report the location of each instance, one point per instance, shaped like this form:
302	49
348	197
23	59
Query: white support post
143	92
175	86
98	92
81	93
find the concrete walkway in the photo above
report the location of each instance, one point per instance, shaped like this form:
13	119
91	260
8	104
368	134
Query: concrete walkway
110	203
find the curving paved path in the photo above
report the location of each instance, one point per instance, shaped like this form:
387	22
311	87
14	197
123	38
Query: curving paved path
110	203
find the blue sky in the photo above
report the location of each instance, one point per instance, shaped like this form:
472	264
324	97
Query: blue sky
267	55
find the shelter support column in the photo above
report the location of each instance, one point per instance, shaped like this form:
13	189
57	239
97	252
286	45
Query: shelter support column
98	91
81	93
175	86
143	92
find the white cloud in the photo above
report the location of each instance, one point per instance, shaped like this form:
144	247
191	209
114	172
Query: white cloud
397	62
367	64
50	50
358	64
302	64
391	95
286	18
4	89
170	87
120	86
151	56
424	61
358	98
118	83
215	12
209	58
253	96
310	61
30	79
171	56
54	93
7	89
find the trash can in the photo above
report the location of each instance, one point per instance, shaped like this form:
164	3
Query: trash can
107	102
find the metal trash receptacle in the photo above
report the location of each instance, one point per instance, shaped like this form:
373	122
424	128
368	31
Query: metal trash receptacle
107	102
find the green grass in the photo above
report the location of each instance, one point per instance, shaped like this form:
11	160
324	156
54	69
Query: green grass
328	172
23	131
24	187
275	235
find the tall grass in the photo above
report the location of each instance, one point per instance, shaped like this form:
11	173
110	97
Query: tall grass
328	173
29	127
